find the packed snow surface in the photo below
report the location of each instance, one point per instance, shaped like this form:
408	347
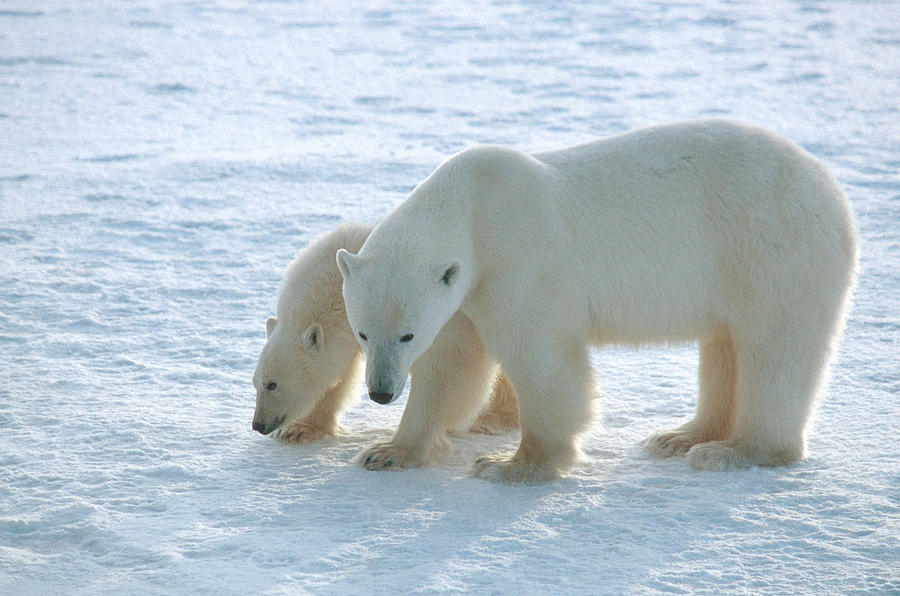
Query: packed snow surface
162	162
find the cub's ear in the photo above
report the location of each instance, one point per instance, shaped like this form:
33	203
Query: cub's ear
447	273
346	262
270	326
312	337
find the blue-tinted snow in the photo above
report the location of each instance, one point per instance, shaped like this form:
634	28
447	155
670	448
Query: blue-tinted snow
161	163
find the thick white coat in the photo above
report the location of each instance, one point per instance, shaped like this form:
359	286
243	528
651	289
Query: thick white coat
309	369
710	231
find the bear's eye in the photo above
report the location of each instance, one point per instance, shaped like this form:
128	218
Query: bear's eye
406	338
271	385
362	336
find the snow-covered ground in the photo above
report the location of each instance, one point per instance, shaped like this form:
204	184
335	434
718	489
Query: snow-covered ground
162	162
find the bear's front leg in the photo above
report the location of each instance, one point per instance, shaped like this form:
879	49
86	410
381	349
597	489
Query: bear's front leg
304	432
554	406
396	456
322	422
450	383
534	462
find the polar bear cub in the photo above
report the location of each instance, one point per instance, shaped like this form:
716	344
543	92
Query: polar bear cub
710	231
309	368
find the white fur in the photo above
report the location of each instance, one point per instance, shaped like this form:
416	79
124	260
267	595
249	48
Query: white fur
313	361
710	231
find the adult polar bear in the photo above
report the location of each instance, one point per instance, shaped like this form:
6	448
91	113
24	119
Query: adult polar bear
710	231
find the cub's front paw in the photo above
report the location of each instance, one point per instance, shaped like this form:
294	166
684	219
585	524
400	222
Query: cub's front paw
387	456
300	432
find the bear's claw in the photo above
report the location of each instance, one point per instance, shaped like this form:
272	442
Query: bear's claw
300	432
372	460
386	456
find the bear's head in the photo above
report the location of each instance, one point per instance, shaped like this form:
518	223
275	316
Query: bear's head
396	309
297	366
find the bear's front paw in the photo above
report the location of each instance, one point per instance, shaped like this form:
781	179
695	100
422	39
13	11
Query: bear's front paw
387	456
301	432
512	470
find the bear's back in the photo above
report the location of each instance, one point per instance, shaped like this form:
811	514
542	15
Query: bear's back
312	282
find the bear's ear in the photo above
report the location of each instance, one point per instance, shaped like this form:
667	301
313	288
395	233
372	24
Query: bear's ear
346	262
312	337
447	273
270	326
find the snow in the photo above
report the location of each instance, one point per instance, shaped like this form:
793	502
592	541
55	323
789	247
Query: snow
160	165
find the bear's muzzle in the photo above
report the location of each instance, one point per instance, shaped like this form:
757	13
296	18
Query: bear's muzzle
264	429
381	398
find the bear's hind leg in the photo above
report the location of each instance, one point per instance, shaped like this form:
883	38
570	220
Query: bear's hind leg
502	411
777	379
715	403
554	392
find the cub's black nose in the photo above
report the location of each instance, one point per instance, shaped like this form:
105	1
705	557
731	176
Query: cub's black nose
381	398
261	428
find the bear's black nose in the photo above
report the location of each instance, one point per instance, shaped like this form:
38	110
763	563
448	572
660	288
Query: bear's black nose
263	428
381	398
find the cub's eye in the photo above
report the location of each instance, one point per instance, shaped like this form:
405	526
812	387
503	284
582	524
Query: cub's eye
406	337
362	336
271	385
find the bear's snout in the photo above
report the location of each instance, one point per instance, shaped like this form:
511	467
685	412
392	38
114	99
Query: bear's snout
264	429
381	398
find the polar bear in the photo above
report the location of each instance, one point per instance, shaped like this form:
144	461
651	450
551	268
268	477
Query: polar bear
309	368
709	231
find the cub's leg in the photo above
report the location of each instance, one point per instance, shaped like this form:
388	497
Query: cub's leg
554	391
322	422
715	404
450	382
502	411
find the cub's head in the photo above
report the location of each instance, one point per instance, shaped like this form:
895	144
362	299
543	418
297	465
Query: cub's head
396	311
295	369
